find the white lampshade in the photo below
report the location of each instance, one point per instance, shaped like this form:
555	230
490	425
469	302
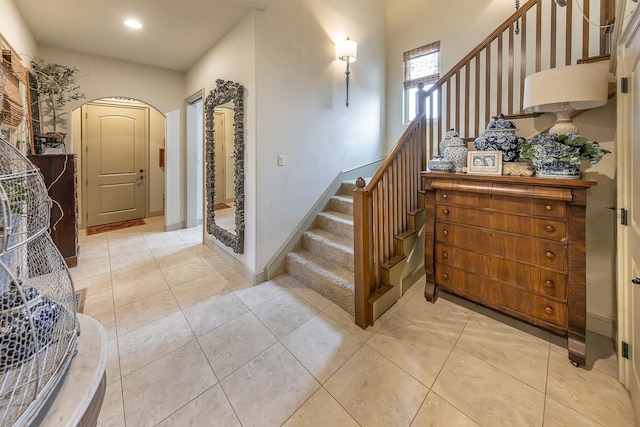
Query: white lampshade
565	89
347	49
583	86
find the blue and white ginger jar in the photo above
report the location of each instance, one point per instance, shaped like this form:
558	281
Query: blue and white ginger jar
501	136
456	151
449	137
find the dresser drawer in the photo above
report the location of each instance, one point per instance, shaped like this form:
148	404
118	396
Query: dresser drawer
538	280
501	295
544	253
544	228
507	204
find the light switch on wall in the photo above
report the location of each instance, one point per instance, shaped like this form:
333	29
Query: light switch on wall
281	160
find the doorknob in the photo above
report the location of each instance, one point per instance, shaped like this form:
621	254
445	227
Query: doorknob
636	281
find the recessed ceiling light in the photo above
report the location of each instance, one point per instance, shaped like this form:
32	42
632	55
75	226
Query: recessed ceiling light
133	23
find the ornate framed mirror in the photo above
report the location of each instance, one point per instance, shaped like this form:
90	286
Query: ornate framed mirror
224	152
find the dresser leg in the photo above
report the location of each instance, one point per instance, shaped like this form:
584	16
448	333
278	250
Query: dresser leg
431	292
576	346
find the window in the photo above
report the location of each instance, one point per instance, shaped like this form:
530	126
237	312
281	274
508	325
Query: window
421	65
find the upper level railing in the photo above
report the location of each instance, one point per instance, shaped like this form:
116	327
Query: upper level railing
486	82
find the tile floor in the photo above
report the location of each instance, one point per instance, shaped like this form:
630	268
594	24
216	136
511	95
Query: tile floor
191	343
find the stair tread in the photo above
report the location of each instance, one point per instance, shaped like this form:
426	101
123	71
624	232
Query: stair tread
348	198
337	274
334	239
338	216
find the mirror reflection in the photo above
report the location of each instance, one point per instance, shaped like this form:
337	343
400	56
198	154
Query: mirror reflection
224	117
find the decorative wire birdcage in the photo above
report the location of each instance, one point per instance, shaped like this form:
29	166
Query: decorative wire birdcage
38	325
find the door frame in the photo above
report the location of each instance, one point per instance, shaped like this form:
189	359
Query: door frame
106	102
191	218
627	58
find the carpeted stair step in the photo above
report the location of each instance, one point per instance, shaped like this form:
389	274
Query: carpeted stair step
329	280
336	222
337	249
341	203
348	187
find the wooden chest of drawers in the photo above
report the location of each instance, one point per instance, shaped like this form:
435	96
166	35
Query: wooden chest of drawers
515	244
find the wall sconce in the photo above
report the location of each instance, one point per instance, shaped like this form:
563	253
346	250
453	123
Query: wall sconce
347	50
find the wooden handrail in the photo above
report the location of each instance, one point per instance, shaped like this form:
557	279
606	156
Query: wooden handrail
470	94
394	152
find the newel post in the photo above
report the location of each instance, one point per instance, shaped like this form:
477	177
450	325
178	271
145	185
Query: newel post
363	254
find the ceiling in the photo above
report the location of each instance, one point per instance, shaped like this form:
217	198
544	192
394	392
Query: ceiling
176	33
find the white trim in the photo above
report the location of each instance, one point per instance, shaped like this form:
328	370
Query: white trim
600	325
626	61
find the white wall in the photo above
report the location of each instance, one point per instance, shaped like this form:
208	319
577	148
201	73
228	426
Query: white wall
460	25
101	77
15	31
174	212
233	58
301	111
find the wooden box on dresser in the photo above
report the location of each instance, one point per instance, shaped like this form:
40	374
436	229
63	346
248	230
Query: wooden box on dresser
515	244
59	174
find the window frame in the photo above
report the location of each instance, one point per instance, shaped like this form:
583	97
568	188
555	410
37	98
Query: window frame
410	85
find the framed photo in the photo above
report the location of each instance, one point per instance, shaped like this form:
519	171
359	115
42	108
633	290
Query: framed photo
484	162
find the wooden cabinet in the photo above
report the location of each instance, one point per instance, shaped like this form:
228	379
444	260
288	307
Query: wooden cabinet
515	244
59	173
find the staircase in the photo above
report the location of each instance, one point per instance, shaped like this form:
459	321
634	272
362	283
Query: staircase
324	261
489	80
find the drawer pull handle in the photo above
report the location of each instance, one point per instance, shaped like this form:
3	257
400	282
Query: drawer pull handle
548	284
444	196
548	207
445	255
550	254
548	310
445	212
445	232
550	228
445	276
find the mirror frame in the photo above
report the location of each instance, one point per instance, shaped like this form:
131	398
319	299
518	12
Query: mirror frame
224	92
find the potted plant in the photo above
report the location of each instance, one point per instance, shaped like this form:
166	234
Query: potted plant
56	85
560	156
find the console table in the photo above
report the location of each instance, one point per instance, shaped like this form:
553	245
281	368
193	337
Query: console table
514	244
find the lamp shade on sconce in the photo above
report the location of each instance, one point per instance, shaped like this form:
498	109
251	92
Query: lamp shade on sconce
347	50
563	90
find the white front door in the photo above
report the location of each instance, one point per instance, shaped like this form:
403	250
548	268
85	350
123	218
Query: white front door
628	153
116	163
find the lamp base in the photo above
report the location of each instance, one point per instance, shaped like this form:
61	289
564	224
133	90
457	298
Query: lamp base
564	124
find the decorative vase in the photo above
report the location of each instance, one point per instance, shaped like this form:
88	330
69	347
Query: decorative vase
501	136
438	164
557	169
449	137
456	151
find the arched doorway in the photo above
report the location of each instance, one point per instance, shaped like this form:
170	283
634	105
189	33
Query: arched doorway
119	154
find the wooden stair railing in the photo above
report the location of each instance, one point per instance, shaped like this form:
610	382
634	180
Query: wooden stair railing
487	81
380	212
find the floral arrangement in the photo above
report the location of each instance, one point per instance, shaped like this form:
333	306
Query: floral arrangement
569	148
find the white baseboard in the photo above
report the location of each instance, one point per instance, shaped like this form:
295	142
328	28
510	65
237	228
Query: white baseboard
600	325
174	227
231	261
